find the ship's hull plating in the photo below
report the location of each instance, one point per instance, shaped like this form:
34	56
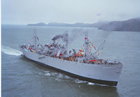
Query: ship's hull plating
96	73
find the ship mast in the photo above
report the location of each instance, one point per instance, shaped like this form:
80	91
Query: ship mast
35	36
86	47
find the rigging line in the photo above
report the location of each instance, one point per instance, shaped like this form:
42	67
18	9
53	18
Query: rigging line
100	46
30	41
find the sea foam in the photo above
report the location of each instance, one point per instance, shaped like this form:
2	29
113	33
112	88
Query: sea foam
10	51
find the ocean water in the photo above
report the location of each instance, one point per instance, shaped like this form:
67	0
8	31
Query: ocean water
22	77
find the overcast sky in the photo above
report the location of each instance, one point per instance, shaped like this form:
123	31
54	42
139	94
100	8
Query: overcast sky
67	11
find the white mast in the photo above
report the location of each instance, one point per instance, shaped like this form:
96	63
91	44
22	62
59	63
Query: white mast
35	37
86	46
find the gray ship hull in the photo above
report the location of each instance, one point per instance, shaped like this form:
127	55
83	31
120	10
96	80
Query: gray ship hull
97	73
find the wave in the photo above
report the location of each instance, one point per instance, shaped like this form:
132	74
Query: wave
10	51
61	77
80	81
90	83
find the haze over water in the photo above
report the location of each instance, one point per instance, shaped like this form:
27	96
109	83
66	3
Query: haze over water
22	77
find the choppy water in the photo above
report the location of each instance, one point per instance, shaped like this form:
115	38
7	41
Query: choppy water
24	78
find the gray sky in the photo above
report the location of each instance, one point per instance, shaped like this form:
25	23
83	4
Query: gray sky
67	11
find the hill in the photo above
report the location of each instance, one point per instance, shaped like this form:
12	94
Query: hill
128	25
69	25
37	24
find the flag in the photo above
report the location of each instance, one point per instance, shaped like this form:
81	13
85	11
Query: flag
83	47
93	45
89	49
98	53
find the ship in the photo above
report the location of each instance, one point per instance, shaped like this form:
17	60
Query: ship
84	64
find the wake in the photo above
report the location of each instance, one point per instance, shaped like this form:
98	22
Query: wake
10	51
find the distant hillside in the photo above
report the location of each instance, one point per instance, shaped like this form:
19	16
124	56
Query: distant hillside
69	25
38	24
128	25
98	24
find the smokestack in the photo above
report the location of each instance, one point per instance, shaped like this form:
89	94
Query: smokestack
64	37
